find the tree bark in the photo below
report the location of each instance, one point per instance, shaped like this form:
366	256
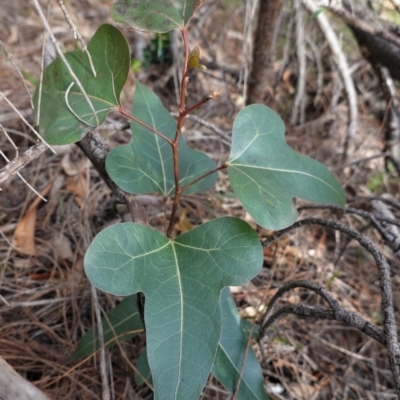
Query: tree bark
267	17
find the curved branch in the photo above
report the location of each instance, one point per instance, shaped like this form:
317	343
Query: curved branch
383	220
336	312
390	327
344	70
389	201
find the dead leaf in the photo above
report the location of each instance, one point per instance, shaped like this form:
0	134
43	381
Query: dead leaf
184	225
63	247
24	236
77	185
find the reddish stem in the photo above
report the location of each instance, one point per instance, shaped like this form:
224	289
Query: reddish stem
128	115
221	167
197	105
175	143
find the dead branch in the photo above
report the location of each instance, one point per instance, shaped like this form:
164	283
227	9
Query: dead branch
354	22
14	387
96	151
13	167
344	70
386	200
103	368
389	230
396	4
390	327
299	106
336	312
392	118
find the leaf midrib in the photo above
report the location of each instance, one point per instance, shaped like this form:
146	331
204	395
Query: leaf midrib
285	171
236	369
178	274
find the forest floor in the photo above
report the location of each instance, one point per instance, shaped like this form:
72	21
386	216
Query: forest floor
45	297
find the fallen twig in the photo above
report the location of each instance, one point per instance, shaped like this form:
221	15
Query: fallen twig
390	327
344	71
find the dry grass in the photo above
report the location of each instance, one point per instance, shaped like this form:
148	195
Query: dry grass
46	304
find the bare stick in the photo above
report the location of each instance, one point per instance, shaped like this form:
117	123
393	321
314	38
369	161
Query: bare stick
140	122
386	200
64	60
221	167
103	370
207	124
212	96
123	353
392	119
396	4
48	56
347	317
14	387
337	312
71	110
344	70
299	106
349	210
358	23
24	180
390	327
9	58
96	151
14	166
389	230
25	121
76	34
340	167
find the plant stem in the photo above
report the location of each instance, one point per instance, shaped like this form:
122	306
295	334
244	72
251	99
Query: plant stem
175	143
221	167
197	105
183	86
181	190
127	114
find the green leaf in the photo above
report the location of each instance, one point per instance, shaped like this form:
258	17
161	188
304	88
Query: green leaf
30	78
229	358
142	365
110	54
145	165
266	174
153	15
317	12
231	350
182	280
246	326
124	320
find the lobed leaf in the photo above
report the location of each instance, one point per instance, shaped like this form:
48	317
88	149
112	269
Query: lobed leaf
230	356
153	15
266	174
182	280
146	165
142	365
110	54
123	322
